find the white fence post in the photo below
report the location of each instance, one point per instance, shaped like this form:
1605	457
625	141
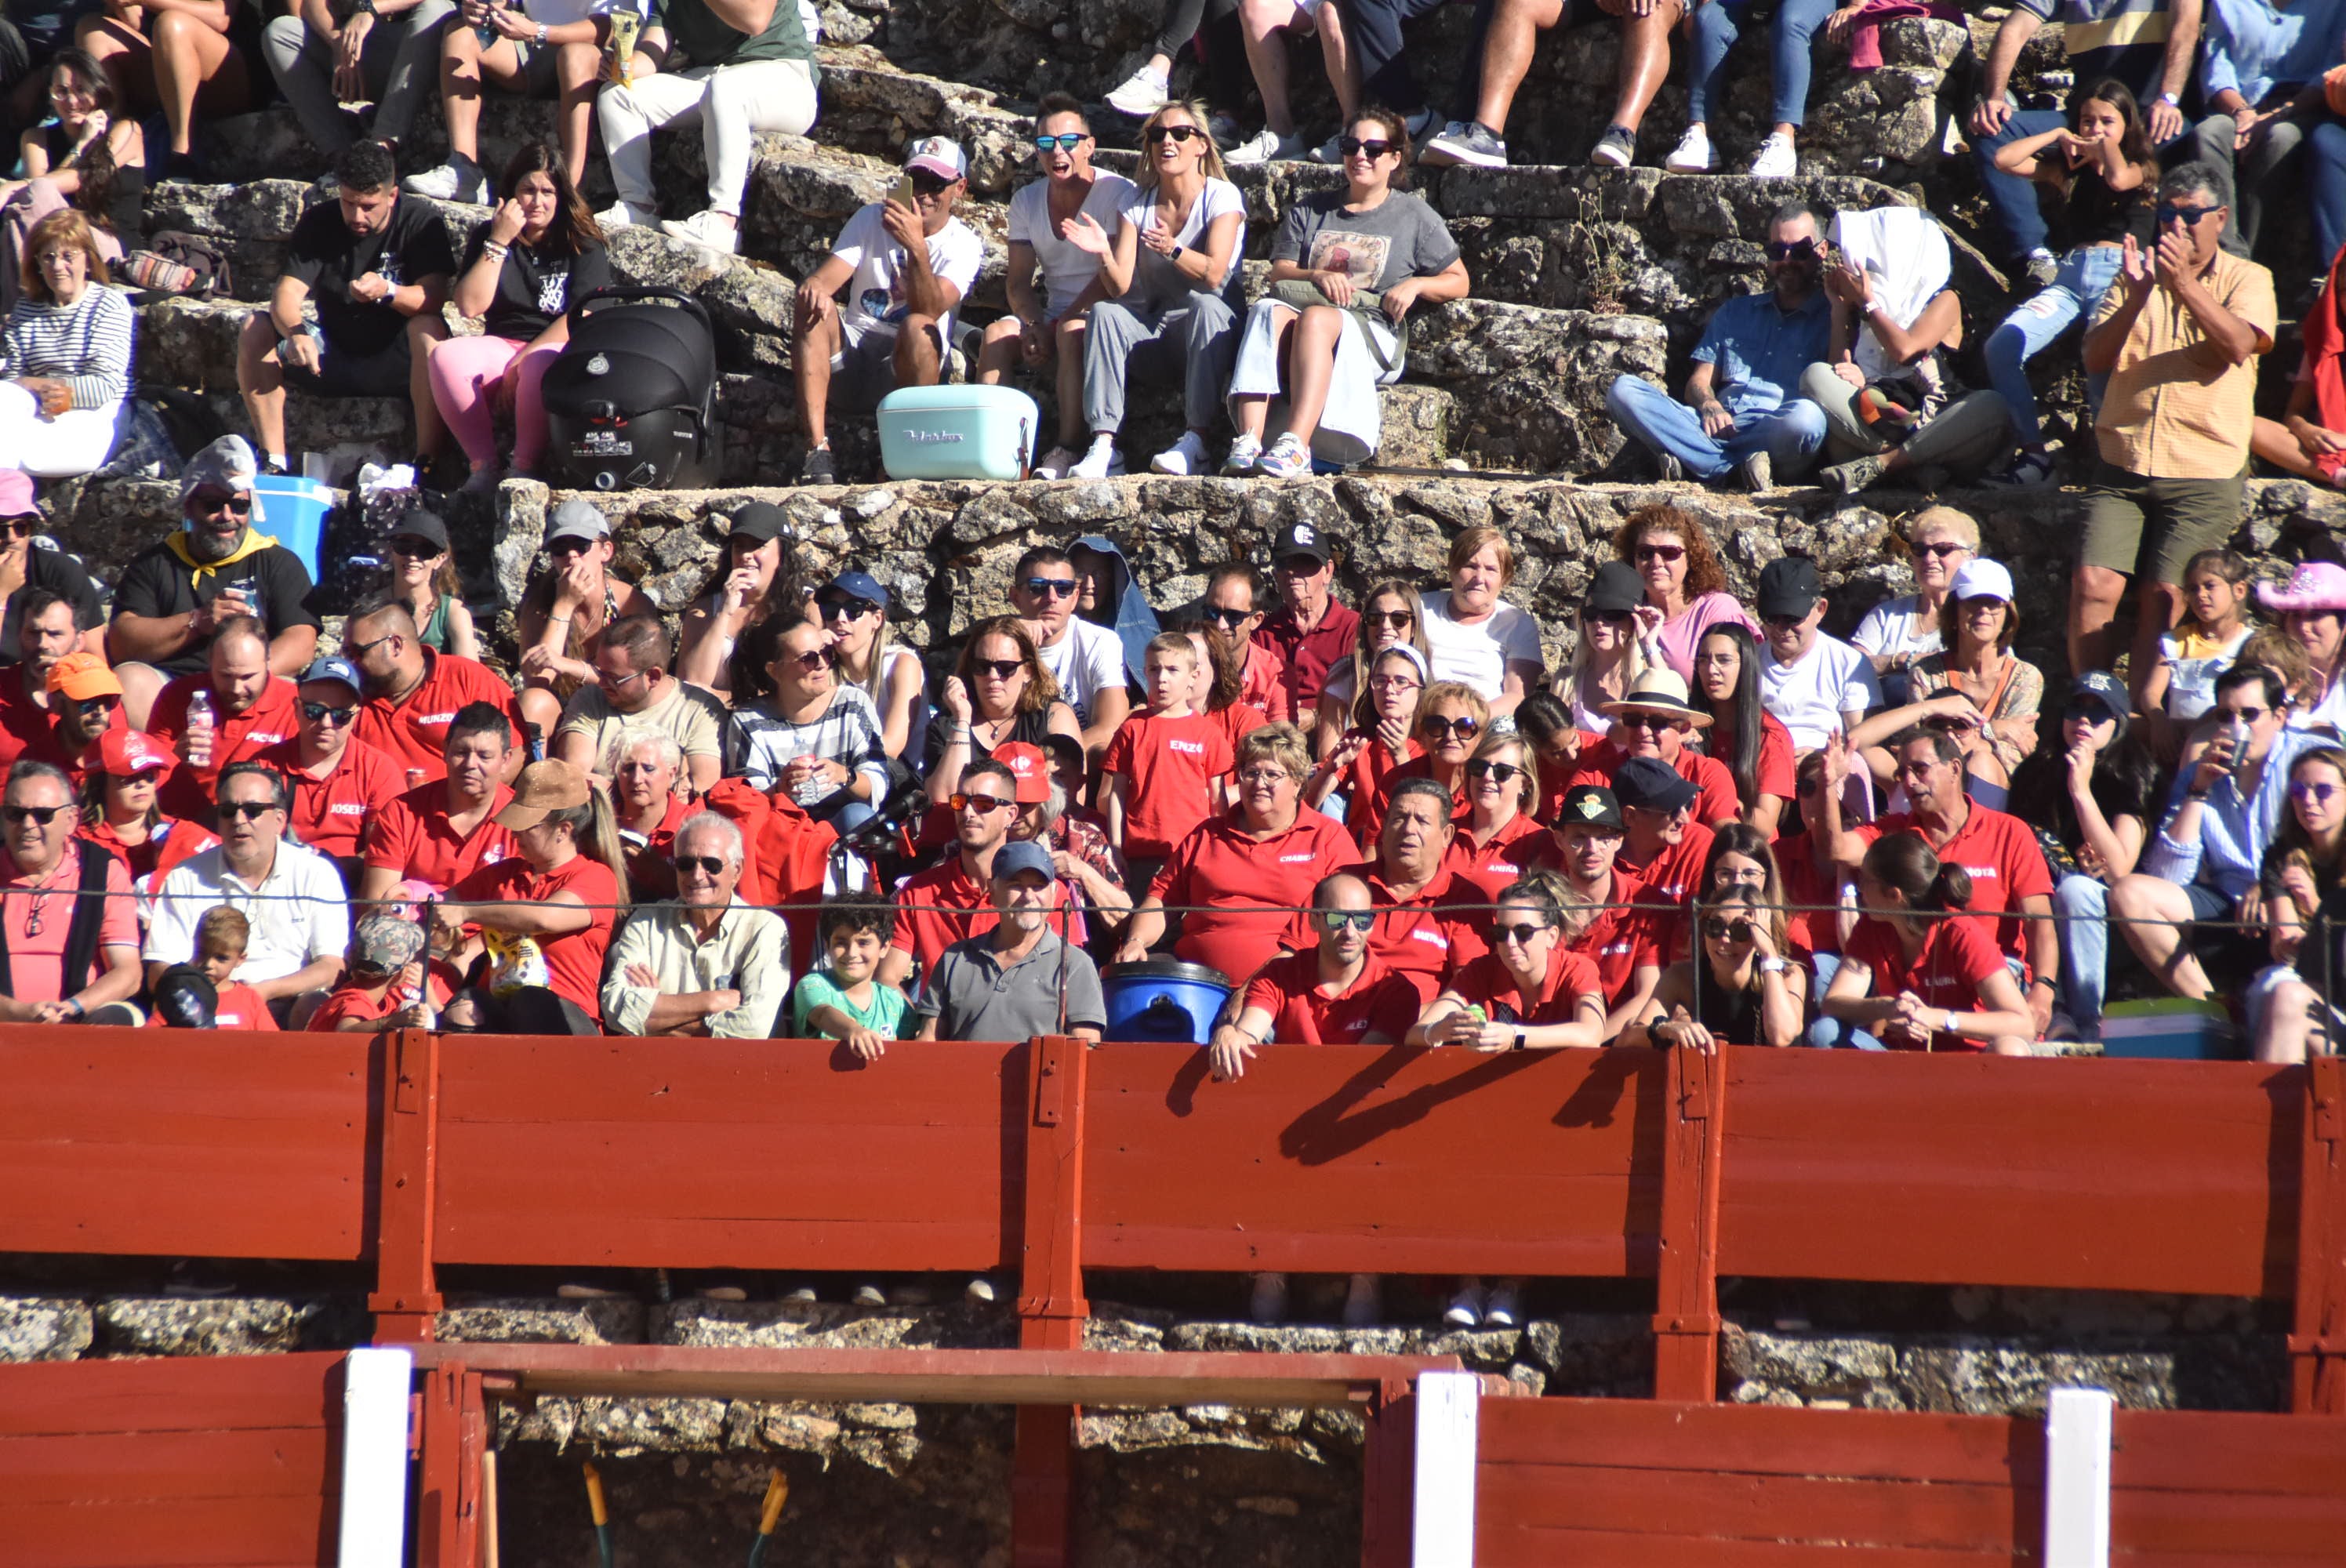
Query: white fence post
375	1383
1443	1522
2077	1477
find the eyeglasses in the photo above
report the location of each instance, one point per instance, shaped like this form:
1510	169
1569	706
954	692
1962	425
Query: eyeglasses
846	609
1051	587
817	658
1065	141
1374	147
319	712
1395	682
1658	723
251	810
42	815
1393	620
1521	935
2187	216
19	527
1226	615
1464	726
707	865
58	258
610	682
214	500
999	668
927	184
1660	552
1722	931
1264	778
1943	549
1783	250
1502	772
2307	789
1171	133
983	805
1337	920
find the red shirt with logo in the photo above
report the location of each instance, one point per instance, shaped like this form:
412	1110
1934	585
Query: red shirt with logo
2000	853
1621	939
414	733
1368	822
1570	977
1671	878
1249	887
236	738
414	835
1956	956
167	842
1264	684
1169	766
1810	931
1377	1002
1717	803
330	814
1492	866
573	961
1427	939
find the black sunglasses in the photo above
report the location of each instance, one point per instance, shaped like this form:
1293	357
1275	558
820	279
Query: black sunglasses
316	711
1607	617
1501	771
1000	668
1657	722
927	184
1464	726
846	609
1393	619
707	865
414	549
817	658
1051	587
44	815
19	527
1522	934
1780	250
1660	552
1375	146
1716	930
2186	216
213	501
983	805
1065	141
1172	133
251	810
1226	615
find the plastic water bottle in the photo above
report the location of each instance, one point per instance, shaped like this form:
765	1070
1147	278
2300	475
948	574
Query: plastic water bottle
202	726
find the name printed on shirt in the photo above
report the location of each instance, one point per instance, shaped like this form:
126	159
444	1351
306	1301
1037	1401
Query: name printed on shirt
1297	860
1431	937
1188	747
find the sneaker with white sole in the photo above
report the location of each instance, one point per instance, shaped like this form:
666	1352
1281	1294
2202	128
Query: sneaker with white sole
458	179
1185	456
868	1295
1103	460
1467	142
1502	1310
979	1291
1268	1301
1245	453
1267	145
1140	95
1694	154
1288	458
619	214
1364	1303
1778	159
1617	149
705	230
1466	1308
1055	462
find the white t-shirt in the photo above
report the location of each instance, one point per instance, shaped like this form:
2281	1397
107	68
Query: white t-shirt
1088	659
1808	696
2191	678
1478	656
1153	277
1067	270
875	294
1889	628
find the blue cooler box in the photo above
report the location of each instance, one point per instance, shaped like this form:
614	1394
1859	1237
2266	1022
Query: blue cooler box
2171	1027
294	509
958	433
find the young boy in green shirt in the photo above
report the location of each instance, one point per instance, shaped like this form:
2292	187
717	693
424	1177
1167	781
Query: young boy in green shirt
841	999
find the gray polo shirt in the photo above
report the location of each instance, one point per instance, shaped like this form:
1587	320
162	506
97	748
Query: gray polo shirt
972	997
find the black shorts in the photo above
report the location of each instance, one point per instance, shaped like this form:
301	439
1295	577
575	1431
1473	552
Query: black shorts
341	374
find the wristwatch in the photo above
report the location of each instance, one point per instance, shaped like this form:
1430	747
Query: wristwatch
1519	1039
1174	254
1773	966
2169	99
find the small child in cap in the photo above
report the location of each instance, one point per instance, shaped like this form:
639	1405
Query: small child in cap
221	937
388	985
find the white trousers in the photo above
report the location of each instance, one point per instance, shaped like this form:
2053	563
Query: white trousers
76	441
733	102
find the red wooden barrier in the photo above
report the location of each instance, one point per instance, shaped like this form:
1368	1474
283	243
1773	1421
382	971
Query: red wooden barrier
169	1464
2318	1345
175	1143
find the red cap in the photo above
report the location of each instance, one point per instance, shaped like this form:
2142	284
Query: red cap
123	752
1027	765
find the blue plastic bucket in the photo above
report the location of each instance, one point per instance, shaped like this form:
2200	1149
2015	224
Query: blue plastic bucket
1163	999
294	509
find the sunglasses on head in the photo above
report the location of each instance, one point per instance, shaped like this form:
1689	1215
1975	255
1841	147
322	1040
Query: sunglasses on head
44	815
1660	552
1786	250
1727	931
846	609
1065	141
983	805
999	668
707	865
414	549
1338	920
1374	147
1172	133
319	712
251	810
1521	934
1051	587
2310	789
1502	772
2187	216
1464	726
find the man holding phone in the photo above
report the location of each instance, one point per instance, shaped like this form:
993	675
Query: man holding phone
906	263
329	53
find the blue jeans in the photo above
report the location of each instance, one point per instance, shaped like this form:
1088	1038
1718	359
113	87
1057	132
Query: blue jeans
1789	435
2328	169
2086	275
1719	24
2083	905
1830	1033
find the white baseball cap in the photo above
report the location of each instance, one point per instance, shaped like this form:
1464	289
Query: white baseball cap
939	156
1981	579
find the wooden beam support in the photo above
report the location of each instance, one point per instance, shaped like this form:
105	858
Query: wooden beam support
1052	1310
1686	1316
2316	1344
406	1299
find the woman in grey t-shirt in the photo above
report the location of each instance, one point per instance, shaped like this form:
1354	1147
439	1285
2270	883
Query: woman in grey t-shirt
1336	353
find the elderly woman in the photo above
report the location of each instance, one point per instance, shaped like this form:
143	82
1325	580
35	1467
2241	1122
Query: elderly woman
999	692
1245	874
648	799
1477	638
1391	612
1345	272
755	578
423	578
1976	685
66	355
1686	587
1748	992
1493	844
1940	542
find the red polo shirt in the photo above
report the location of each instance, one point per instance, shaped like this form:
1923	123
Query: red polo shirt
1810	931
1671	878
2000	853
1779	769
236	738
25	725
1618	940
1249	887
1239	720
168	844
1368	821
650	874
330	814
1302	1013
925	933
1307	656
1956	957
573	961
413	836
1507	857
352	1002
1570	977
1556	777
1719	802
1168	766
1427	939
1264	685
414	733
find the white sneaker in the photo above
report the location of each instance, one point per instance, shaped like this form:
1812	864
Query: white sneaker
1288	458
1328	151
705	230
619	214
1055	463
979	1292
1102	462
1185	456
1503	1310
1778	159
1694	153
1267	145
1364	1305
1268	1304
1466	1308
804	1296
868	1295
458	179
1245	453
1140	95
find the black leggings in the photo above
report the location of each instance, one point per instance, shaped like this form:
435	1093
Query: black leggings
1227	76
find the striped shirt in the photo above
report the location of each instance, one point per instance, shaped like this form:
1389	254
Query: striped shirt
759	744
85	344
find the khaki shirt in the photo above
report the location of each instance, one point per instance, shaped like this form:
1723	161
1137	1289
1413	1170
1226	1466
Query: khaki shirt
2170	414
750	953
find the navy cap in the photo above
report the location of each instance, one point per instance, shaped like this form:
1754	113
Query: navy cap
1023	855
858	585
2100	686
1301	539
1652	784
331	667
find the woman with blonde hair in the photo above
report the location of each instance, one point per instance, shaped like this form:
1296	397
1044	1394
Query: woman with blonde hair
1608	655
1478	639
64	355
423	578
1503	790
854	608
1940	542
1451	719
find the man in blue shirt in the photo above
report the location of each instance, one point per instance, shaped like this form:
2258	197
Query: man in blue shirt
2260	78
1739	415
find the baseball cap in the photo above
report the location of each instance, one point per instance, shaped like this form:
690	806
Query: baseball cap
1981	580
16	493
1660	690
82	675
331	667
857	585
1299	539
185	999
938	156
1029	768
552	784
2314	585
226	464
1789	586
385	944
2100	686
1615	586
1653	784
577	520
1023	855
422	523
761	521
123	752
1591	806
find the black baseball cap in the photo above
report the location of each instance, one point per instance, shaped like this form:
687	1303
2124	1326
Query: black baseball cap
1615	586
1789	586
422	523
1299	539
760	520
1651	784
1590	806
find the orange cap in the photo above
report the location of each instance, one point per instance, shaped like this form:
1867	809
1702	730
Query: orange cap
82	675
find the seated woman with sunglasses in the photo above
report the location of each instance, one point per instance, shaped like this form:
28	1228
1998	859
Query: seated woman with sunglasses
1916	979
2302	869
1748	992
1976	687
1391	612
1895	632
1449	720
423	578
1607	657
853	607
999	692
118	809
64	357
1750	741
756	577
1321	333
805	732
1497	838
1528	990
1686	587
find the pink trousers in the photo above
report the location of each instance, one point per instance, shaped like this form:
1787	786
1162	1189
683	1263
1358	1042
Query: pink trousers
472	377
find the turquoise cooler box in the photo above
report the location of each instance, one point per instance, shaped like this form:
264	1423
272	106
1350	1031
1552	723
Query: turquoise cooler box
294	509
957	433
2168	1027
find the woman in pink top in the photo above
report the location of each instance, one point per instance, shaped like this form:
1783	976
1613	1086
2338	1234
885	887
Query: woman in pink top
1686	587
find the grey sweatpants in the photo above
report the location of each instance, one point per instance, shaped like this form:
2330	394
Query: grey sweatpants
1194	341
1961	437
402	61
